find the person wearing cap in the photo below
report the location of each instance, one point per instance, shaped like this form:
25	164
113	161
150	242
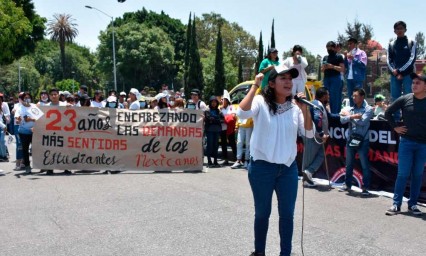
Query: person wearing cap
273	149
412	143
197	102
134	97
379	105
267	64
401	57
82	90
300	63
161	101
355	67
122	100
213	120
44	98
358	119
332	65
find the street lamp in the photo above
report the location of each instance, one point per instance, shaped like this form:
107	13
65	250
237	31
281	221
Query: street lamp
113	43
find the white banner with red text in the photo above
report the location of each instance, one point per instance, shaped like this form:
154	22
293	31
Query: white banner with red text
118	139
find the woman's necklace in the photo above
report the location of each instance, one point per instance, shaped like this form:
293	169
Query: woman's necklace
281	108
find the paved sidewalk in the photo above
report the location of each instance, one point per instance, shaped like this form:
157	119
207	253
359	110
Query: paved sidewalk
201	214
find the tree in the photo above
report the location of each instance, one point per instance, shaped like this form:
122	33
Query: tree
420	40
62	29
219	78
362	32
259	53
187	50
14	27
382	83
146	55
195	72
272	35
28	43
240	71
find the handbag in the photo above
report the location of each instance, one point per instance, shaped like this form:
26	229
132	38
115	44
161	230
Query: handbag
355	140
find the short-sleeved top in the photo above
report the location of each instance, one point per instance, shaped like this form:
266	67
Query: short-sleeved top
335	60
264	64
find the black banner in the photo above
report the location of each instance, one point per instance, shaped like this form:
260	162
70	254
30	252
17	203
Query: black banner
383	156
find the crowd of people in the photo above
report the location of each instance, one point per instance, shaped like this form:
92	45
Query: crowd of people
262	131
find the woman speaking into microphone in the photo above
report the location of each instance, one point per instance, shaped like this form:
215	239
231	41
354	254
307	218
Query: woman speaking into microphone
273	149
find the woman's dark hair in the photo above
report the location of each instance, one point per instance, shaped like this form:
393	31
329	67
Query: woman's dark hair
213	98
269	95
297	48
22	96
161	104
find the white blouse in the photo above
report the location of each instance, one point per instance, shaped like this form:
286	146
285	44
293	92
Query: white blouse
274	136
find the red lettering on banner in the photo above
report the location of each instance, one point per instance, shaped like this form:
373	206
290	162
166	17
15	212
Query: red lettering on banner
174	131
96	143
52	125
383	156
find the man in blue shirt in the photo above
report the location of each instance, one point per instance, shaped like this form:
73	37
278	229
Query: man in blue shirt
358	117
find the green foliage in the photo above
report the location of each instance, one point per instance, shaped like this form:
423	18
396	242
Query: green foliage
195	70
145	56
421	50
14	27
362	32
219	78
175	31
259	53
272	35
69	85
382	83
62	29
187	49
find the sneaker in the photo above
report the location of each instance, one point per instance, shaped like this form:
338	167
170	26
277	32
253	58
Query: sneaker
365	193
257	254
49	172
67	172
393	210
414	210
237	165
307	177
28	170
345	188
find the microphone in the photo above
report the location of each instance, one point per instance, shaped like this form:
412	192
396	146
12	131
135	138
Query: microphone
306	102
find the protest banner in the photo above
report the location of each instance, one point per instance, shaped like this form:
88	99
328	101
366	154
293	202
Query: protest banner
118	139
383	157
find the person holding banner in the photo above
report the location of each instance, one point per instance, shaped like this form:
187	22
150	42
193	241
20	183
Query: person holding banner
26	122
273	149
412	143
134	97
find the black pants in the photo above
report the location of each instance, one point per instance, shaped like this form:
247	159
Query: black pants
26	140
226	140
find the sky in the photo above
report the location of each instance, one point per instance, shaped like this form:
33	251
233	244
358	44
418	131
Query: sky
310	23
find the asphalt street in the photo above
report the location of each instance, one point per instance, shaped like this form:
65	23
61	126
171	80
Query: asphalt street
201	214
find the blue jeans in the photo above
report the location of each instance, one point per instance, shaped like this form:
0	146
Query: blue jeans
244	135
363	157
19	153
397	87
3	152
313	155
352	85
411	161
212	144
265	178
334	86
